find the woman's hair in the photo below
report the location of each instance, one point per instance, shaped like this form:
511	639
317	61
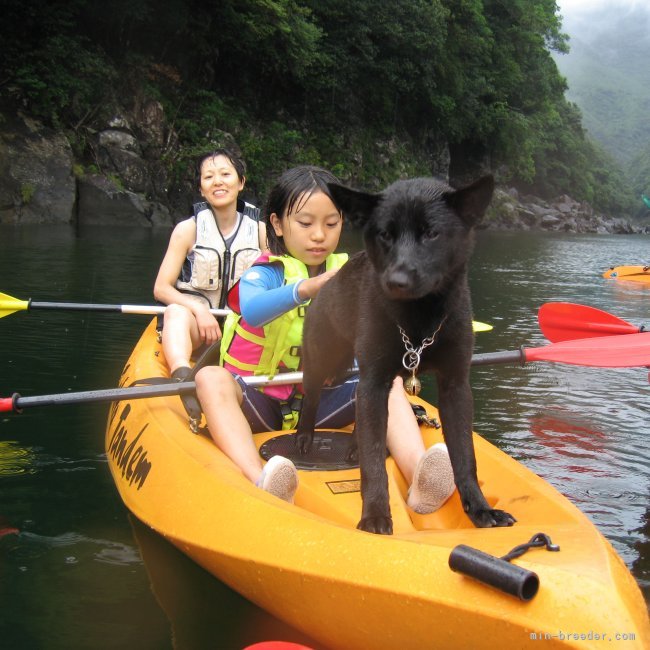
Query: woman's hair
236	161
288	195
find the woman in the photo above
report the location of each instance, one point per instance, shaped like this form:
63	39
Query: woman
207	254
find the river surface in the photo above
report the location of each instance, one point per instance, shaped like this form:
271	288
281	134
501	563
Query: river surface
77	571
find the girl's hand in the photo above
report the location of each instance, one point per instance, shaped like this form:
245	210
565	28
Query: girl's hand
209	329
310	287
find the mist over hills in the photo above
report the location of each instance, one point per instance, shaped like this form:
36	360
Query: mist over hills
608	72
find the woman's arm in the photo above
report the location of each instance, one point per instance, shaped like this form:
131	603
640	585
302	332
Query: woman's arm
180	243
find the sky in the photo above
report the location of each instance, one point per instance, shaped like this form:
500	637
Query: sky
570	7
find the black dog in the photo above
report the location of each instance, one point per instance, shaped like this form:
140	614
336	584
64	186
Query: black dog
412	277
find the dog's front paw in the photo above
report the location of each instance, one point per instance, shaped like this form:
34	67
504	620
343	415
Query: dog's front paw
377	525
486	518
303	441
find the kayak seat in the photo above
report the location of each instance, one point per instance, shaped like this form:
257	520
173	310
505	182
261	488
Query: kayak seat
329	451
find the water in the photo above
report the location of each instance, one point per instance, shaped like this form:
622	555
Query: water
83	573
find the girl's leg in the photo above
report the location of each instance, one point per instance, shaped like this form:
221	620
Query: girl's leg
403	436
337	409
221	398
429	473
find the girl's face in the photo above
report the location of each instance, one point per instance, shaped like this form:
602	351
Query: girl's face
220	184
312	231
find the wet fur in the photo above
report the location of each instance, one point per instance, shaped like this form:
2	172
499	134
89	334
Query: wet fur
418	237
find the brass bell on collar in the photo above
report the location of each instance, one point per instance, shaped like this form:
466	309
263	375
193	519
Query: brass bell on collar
412	385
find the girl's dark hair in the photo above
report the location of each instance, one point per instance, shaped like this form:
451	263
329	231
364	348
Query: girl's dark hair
237	162
288	195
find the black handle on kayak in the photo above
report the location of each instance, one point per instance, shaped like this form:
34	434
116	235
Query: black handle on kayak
495	572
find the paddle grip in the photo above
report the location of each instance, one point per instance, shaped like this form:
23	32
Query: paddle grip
10	404
494	571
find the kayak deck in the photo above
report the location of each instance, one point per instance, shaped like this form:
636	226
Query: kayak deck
308	565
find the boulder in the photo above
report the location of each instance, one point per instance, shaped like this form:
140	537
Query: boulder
550	221
37	184
102	202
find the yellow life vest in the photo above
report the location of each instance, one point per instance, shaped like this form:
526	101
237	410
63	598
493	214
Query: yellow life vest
277	345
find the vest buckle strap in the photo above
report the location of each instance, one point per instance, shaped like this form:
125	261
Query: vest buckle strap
296	403
286	410
295	350
291	412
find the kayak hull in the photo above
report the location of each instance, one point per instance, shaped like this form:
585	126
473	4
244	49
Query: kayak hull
308	565
640	274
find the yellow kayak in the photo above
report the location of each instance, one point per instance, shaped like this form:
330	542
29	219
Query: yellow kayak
309	566
629	273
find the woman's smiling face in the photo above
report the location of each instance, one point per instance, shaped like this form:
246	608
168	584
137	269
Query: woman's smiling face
220	183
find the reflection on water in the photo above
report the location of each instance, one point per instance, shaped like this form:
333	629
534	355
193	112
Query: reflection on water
15	459
582	429
79	571
203	612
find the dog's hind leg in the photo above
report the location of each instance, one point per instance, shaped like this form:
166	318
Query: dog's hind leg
322	362
371	425
312	385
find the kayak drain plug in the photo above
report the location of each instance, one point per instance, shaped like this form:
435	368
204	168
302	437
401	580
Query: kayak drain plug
498	572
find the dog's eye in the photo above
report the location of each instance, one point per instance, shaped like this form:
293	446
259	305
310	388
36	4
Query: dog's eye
430	234
385	236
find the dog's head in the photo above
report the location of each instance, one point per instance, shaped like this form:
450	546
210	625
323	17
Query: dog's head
417	233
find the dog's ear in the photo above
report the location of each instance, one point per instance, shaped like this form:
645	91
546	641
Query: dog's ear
471	202
356	206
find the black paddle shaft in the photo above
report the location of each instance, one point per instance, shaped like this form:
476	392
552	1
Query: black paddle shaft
73	306
489	358
18	403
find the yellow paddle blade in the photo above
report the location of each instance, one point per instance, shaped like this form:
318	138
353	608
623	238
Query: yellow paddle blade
481	327
8	305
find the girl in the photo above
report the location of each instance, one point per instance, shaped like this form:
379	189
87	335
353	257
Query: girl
263	336
207	253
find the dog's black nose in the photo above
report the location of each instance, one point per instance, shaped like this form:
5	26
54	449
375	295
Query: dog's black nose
398	280
399	284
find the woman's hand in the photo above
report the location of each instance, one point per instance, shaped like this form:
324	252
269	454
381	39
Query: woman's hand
310	287
209	329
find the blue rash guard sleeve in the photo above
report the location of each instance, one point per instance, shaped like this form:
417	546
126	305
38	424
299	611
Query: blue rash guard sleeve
263	295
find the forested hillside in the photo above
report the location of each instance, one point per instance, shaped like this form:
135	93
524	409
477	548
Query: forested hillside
609	79
371	89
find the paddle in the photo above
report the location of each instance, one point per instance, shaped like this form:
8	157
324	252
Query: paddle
16	403
564	321
10	305
614	352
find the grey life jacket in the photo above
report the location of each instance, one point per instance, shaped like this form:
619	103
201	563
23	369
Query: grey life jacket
214	264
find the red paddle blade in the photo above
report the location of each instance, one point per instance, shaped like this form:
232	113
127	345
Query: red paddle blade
565	321
611	352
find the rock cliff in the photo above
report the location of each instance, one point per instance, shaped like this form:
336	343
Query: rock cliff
42	182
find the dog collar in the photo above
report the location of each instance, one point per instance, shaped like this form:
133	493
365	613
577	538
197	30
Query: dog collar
411	358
